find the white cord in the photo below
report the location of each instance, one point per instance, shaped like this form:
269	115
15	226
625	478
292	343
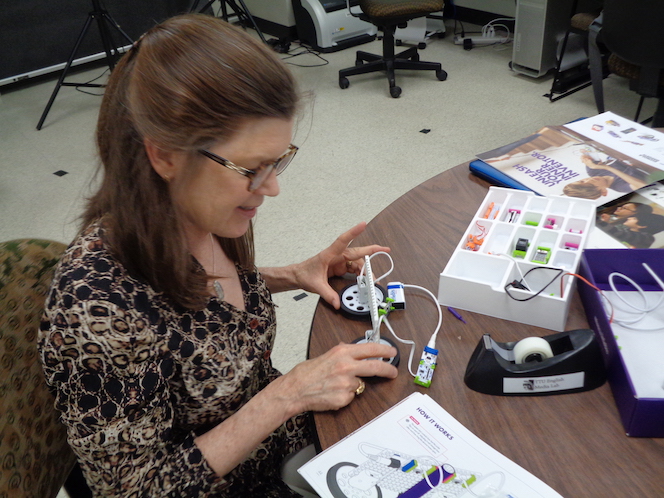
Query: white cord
383	318
640	311
432	341
440	478
403	341
386	273
489	29
516	265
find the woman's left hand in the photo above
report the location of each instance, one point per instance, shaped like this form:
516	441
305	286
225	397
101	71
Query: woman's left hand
312	275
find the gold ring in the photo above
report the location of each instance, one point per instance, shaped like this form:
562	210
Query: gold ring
360	388
349	265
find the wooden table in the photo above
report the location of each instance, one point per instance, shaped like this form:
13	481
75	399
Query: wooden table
573	442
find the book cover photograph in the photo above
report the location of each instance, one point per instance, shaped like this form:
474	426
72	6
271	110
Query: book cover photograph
416	449
636	220
600	158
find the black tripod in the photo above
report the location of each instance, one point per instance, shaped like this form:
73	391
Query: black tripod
104	22
241	11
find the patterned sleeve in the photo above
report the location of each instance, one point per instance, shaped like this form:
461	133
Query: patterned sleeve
109	367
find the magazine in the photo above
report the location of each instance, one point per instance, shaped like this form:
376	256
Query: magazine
600	158
416	449
636	220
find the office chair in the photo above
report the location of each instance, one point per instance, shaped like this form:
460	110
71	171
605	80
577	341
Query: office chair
388	15
632	33
35	456
570	79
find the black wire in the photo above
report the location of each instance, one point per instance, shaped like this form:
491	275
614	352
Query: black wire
304	51
463	31
559	271
119	51
78	88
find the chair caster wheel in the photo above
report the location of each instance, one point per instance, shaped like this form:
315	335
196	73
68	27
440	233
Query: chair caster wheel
395	91
421	46
398	43
441	75
344	83
359	62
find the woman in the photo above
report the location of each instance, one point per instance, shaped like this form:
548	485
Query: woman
621	212
158	327
604	175
638	231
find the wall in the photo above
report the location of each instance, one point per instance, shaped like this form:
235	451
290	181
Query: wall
501	7
276	11
38	34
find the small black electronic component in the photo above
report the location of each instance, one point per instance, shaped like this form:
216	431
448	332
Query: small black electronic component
521	248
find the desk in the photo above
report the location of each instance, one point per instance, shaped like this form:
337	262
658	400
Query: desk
573	442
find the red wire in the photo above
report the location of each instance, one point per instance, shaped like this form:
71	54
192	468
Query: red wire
587	282
482	230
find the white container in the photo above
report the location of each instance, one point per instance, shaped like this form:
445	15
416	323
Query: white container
556	230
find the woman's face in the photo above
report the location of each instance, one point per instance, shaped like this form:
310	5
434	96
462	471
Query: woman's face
216	199
625	210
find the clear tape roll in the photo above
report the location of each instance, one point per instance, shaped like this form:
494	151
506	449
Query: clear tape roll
532	349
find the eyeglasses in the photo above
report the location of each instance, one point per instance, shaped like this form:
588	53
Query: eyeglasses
260	174
625	208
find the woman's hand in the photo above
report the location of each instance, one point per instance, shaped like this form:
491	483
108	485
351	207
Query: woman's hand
329	381
312	275
590	163
587	160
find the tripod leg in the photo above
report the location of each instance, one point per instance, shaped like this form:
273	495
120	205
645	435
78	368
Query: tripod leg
117	27
64	72
245	11
104	20
106	41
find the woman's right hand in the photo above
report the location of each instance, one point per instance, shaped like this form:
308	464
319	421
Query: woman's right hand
324	383
329	381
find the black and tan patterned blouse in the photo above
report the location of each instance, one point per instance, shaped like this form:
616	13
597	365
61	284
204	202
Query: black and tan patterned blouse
137	378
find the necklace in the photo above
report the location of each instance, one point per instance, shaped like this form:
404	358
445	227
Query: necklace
218	289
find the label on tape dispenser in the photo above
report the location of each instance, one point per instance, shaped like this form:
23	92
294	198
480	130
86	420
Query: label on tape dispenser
530	385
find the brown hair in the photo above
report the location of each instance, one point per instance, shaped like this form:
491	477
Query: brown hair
583	190
186	84
649	222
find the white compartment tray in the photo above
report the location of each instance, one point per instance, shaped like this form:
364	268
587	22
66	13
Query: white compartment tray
519	236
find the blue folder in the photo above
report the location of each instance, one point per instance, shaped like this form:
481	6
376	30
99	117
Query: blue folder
494	176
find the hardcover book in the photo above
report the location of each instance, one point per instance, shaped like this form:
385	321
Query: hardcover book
600	158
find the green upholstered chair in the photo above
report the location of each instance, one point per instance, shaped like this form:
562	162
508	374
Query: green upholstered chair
632	33
389	15
35	459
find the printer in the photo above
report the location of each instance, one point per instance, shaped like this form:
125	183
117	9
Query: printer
327	26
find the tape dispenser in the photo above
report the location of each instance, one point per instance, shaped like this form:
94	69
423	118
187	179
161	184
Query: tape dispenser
565	362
